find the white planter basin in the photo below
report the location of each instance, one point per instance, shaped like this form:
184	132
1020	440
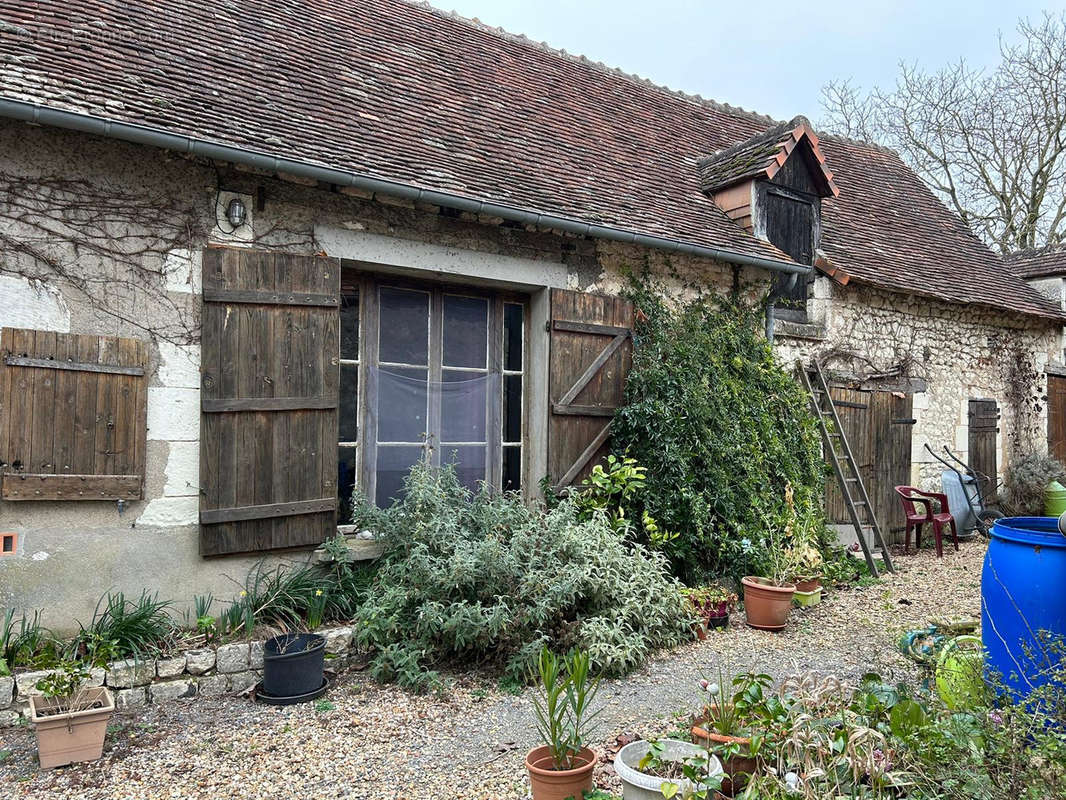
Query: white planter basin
637	785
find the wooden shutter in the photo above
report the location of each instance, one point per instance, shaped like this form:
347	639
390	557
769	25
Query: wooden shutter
983	427
72	416
591	352
268	423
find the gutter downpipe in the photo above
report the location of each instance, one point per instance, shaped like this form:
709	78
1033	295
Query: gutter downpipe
771	318
142	134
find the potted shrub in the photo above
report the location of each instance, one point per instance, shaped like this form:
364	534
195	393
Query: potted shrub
70	720
712	603
807	565
768	598
669	767
737	727
562	767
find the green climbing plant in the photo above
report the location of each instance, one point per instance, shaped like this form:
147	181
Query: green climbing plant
722	429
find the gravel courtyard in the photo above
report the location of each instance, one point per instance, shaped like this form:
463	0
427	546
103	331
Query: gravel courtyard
380	742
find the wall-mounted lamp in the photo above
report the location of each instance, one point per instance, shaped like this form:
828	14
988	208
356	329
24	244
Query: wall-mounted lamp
236	212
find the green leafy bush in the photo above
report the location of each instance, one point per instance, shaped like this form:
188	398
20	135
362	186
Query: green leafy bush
122	628
483	577
28	644
722	430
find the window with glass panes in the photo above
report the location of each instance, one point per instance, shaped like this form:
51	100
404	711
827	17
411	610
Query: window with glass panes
431	370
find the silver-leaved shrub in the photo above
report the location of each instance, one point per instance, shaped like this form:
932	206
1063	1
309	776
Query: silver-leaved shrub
483	578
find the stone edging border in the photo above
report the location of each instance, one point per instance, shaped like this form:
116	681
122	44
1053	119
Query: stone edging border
204	672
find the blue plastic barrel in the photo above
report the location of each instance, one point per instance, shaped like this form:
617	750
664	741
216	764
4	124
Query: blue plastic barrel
1023	601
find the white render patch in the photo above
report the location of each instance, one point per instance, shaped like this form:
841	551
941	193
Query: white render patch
179	365
182	470
170	512
182	271
24	304
173	414
40	555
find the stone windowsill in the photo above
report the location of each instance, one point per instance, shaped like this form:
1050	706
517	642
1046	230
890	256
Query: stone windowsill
800	330
361	546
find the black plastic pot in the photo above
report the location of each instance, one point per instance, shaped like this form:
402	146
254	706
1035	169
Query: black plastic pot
718	622
292	664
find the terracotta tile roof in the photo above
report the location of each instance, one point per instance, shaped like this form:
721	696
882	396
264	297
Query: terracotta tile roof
409	93
763	155
1040	262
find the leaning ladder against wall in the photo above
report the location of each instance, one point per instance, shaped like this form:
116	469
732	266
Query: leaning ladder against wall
838	451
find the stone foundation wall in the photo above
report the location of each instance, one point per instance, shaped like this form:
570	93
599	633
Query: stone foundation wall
229	669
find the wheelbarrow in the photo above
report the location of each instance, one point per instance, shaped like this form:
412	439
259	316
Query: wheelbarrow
966	501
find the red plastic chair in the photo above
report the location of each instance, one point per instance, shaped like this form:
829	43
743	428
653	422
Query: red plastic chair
916	518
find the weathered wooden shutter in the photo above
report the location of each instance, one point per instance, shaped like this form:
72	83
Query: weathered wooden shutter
591	352
268	423
72	416
983	427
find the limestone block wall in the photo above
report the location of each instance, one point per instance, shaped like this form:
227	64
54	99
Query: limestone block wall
227	669
952	353
70	554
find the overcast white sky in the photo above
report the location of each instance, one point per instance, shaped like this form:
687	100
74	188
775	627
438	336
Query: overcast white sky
772	57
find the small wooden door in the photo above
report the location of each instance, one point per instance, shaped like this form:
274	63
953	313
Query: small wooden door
1056	416
983	427
877	426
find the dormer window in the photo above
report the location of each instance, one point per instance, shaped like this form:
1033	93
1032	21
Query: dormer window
772	185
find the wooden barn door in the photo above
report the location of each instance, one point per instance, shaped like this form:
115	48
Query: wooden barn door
853	410
891	424
268	423
983	427
878	428
1056	416
591	351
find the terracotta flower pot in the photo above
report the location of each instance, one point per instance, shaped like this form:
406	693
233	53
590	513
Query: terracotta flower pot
808	584
737	768
766	605
559	784
75	736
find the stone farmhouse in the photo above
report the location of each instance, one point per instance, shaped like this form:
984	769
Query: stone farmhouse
254	255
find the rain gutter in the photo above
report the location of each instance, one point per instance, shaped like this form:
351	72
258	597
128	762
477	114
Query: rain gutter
142	134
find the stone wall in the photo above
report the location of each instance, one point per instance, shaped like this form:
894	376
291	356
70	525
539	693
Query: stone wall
947	354
228	669
70	554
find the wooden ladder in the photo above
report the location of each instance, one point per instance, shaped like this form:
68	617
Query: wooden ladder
838	451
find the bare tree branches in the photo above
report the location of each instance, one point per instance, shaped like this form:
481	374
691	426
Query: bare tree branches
991	145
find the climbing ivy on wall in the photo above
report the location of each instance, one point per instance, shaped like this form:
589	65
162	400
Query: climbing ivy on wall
721	428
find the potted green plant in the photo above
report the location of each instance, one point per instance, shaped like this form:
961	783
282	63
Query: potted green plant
654	768
562	766
712	603
70	720
768	597
736	727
